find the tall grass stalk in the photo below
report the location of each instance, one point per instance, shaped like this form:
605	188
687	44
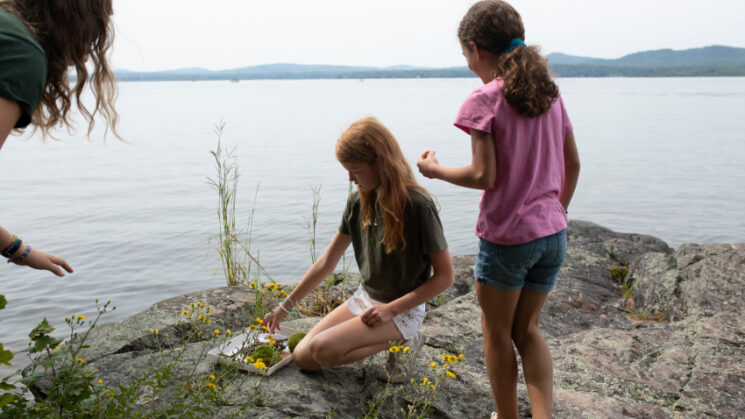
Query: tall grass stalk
226	186
312	224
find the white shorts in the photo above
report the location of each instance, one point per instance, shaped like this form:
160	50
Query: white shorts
407	322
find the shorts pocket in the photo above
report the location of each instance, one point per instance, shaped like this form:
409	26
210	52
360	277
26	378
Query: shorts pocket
516	257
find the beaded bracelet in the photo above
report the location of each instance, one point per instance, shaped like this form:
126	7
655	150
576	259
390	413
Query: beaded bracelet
19	259
13	247
284	309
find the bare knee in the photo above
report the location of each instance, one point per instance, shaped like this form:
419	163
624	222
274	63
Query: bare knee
497	337
523	337
303	357
322	351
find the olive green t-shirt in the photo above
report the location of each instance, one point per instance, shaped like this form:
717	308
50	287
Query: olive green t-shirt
387	277
23	67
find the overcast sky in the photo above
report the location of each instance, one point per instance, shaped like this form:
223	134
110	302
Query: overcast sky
221	34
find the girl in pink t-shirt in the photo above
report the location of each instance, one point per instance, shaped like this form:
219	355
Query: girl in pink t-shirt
526	161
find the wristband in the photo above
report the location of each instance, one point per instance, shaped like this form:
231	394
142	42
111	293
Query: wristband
282	305
290	300
284	309
13	247
19	259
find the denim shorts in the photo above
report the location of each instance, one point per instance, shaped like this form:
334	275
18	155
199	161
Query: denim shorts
534	265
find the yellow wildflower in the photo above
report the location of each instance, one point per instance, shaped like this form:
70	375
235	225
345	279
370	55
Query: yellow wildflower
432	386
56	347
81	360
212	376
264	328
100	381
81	317
412	381
433	365
283	293
227	332
460	356
209	321
151	330
259	321
249	359
445	366
156	331
262	292
425	380
407	349
450	374
272	286
212	386
450	358
260	364
67	319
252	285
272	342
209	310
393	349
252	327
185	312
216	332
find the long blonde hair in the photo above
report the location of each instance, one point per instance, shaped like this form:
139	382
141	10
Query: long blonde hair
69	31
369	141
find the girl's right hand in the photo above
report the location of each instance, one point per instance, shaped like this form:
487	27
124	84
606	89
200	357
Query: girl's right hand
272	320
38	259
427	163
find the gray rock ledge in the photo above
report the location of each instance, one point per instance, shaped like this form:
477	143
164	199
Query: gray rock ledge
674	348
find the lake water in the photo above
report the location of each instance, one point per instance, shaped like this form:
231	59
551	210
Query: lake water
137	221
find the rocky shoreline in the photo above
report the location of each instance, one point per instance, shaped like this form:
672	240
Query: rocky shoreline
636	329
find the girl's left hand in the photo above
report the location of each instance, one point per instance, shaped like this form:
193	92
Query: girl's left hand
377	314
427	163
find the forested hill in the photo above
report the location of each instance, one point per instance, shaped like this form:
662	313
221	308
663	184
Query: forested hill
707	61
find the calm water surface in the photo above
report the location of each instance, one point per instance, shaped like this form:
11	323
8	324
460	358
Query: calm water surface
137	221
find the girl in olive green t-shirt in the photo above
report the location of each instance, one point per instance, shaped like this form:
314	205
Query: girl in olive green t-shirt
393	225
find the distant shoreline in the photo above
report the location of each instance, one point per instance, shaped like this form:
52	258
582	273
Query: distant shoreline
564	73
711	61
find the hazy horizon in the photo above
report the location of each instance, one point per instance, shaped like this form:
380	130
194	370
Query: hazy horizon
167	35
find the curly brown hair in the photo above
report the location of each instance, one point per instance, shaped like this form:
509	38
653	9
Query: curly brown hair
70	32
369	141
492	25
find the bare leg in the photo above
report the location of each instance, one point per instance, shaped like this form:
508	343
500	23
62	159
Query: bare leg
341	338
534	352
498	310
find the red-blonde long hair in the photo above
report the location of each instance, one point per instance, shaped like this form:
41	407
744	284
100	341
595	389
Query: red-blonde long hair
369	141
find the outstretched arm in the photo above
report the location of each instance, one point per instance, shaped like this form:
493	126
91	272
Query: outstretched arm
34	258
571	170
323	267
441	279
480	174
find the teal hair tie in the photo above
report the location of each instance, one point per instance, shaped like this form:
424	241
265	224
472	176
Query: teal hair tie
516	42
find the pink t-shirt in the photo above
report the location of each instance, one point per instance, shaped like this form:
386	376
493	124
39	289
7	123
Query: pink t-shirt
523	204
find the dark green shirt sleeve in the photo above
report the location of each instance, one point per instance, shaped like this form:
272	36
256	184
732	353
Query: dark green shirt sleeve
23	67
430	227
